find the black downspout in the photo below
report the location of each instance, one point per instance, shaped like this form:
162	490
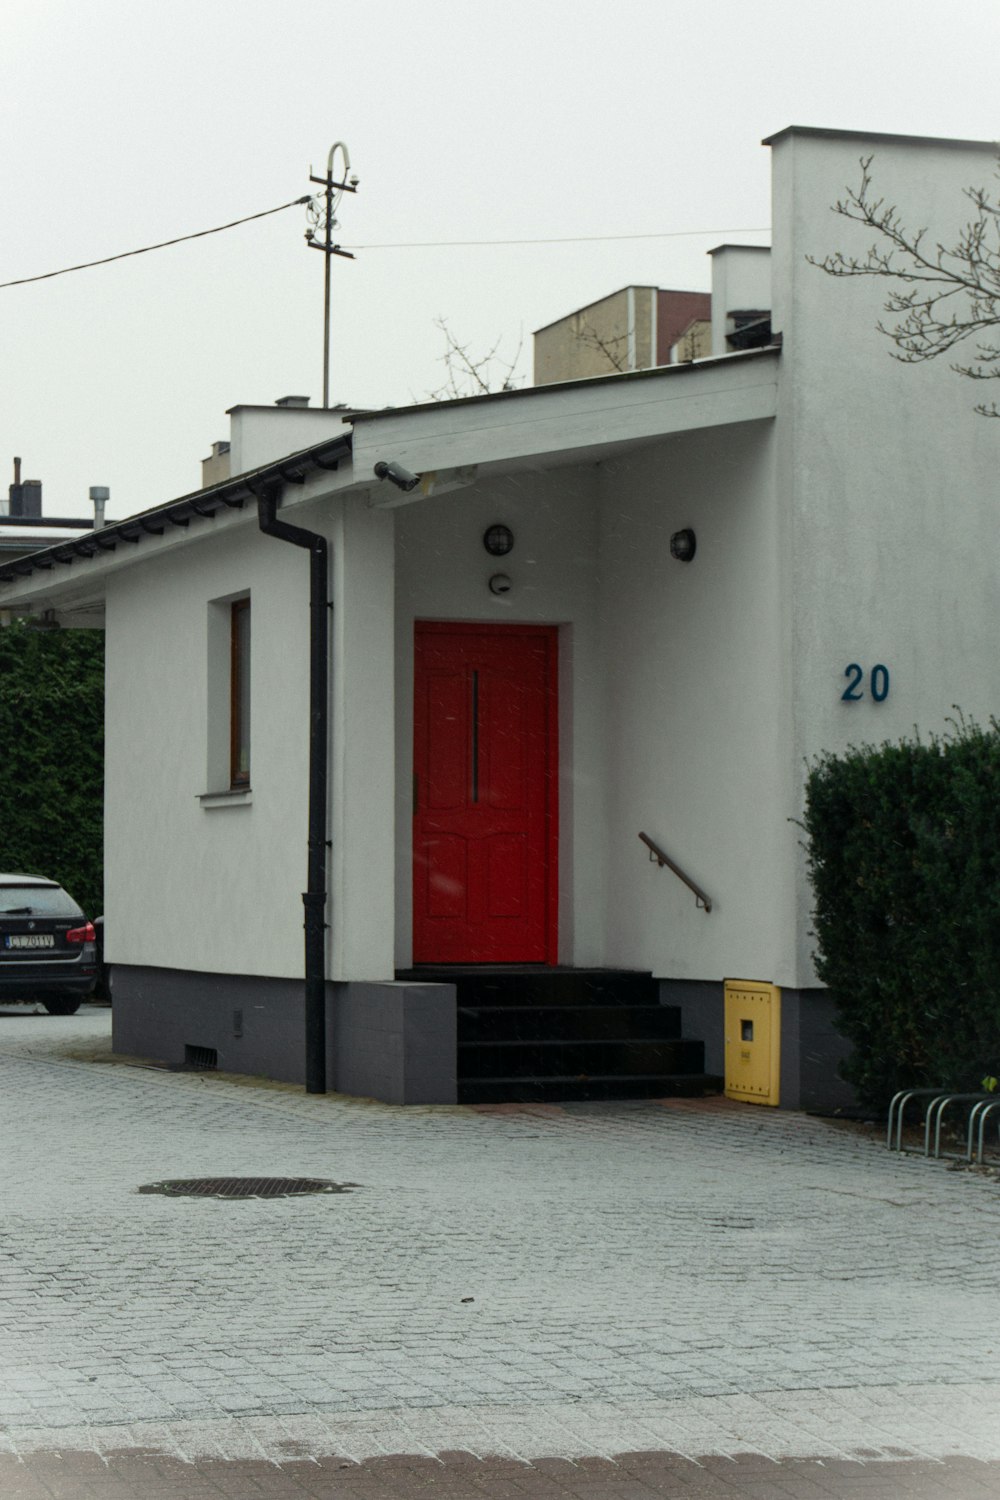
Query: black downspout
314	898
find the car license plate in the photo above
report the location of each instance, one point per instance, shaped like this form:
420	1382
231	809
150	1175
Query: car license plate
30	940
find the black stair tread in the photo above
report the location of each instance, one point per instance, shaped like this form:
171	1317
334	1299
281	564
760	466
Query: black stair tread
655	1057
521	985
652	1006
574	1041
606	1078
514	971
482	1025
558	1020
557	990
566	1090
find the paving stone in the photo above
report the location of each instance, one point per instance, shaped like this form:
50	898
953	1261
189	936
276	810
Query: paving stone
683	1278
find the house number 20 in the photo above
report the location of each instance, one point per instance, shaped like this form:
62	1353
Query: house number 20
878	683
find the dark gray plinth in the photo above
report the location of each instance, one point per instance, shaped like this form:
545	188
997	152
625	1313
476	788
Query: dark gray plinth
396	1042
701	1016
392	1042
810	1017
811	1047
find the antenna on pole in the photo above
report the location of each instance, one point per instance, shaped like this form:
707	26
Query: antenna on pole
319	236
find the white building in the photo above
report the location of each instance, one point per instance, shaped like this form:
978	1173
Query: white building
497	743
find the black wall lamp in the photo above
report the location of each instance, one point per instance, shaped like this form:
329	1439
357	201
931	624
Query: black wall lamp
683	545
498	540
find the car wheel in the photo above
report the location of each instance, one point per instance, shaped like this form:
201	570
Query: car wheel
68	1006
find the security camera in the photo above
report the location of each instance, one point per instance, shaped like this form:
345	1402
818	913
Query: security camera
397	475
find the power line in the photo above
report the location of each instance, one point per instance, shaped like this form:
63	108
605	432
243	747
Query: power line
569	239
199	234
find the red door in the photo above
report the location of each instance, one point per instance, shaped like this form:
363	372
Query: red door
485	794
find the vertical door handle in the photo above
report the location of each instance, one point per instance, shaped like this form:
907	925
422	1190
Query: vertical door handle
475	736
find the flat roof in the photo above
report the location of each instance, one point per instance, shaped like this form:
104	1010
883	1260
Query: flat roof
731	245
875	135
651	372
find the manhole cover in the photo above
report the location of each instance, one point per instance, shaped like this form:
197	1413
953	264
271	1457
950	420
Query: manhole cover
245	1187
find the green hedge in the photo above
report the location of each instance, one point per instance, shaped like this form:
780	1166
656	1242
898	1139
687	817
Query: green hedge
52	758
904	856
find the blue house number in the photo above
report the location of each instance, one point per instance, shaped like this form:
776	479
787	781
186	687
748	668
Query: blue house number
878	683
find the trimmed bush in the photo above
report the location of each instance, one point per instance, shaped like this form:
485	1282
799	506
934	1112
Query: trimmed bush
52	758
904	856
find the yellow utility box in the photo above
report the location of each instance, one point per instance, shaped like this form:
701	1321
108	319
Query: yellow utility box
753	1041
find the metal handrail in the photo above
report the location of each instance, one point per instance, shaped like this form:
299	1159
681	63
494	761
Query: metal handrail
656	854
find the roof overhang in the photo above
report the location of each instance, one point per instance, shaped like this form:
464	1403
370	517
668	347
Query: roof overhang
550	426
448	444
33	581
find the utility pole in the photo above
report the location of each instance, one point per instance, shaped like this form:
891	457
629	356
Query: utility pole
319	236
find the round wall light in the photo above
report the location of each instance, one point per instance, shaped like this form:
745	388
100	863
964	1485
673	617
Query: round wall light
683	545
500	584
498	540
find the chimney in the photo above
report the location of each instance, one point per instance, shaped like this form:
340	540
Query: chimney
31	492
24	498
15	496
216	467
288	401
99	496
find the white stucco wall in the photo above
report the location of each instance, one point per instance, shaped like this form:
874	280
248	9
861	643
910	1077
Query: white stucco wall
363	747
442	573
888	476
695	708
672	709
218	889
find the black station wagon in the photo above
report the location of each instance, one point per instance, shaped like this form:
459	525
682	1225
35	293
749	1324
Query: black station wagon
47	947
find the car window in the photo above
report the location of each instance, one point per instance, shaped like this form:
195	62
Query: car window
37	900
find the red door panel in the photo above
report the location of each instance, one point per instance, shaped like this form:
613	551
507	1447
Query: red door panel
485	778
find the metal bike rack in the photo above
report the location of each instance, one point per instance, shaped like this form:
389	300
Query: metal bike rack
897	1109
938	1101
935	1114
978	1118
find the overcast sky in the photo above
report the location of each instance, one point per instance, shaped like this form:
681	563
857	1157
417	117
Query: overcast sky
125	123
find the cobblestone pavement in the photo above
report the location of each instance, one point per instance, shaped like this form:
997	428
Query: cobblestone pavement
742	1299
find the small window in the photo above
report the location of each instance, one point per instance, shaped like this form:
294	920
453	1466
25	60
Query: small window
239	693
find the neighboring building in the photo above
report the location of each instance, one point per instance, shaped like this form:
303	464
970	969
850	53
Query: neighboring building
526	675
695	342
23	528
633	329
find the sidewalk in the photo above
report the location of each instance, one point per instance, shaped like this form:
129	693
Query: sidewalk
542	1288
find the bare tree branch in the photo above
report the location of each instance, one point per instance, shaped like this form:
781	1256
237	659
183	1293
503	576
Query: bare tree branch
469	374
943	295
615	350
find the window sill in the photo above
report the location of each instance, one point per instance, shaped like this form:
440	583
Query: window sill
240	796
